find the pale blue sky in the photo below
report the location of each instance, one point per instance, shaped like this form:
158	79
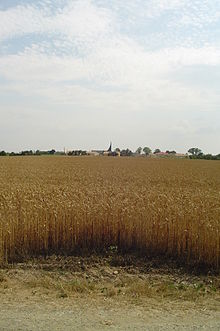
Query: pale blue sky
81	73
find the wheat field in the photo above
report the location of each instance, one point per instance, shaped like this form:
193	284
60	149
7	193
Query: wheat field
66	205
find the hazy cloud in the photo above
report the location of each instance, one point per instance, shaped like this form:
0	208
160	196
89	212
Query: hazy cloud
152	63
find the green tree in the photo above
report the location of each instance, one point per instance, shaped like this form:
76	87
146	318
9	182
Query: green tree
195	151
146	150
52	152
171	152
157	150
139	150
24	153
126	152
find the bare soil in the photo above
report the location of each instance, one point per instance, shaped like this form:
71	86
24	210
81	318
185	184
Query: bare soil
106	293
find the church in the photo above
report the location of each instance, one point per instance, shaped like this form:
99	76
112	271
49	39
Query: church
107	152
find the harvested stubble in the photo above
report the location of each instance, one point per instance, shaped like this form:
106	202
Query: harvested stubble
66	205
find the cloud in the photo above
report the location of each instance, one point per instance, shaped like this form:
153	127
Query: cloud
119	77
88	56
199	14
21	20
78	19
116	62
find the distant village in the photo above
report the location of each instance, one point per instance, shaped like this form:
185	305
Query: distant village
146	151
193	153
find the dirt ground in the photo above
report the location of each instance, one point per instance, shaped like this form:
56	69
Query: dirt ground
111	293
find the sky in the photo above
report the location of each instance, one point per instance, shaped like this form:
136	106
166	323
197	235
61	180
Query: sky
81	73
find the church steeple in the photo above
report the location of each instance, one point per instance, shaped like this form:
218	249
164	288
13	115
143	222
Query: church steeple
110	147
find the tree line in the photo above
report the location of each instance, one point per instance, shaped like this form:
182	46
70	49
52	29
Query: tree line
31	153
194	153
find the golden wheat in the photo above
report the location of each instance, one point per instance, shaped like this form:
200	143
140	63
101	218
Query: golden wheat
66	205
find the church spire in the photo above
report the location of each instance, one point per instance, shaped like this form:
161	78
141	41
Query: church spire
110	147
